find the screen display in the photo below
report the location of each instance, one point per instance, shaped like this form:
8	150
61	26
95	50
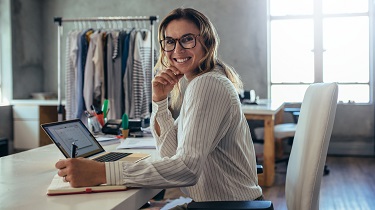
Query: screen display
63	134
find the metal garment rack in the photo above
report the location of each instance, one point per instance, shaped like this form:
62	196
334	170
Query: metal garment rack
60	20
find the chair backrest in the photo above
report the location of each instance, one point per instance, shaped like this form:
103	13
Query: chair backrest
310	145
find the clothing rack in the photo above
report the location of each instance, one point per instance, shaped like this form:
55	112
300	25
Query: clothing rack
60	20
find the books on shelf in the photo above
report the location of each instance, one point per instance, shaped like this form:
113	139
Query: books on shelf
59	187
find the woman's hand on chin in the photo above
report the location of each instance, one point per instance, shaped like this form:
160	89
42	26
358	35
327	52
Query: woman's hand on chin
164	82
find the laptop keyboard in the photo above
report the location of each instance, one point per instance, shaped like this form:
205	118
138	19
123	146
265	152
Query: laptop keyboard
112	156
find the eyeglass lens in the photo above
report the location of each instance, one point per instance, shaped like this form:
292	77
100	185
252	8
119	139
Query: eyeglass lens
187	42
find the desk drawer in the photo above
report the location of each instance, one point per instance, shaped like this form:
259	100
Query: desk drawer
26	112
26	134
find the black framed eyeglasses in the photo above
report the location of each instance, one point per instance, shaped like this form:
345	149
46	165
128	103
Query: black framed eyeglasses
187	41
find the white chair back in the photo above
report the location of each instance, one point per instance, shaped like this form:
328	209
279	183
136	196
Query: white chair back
310	145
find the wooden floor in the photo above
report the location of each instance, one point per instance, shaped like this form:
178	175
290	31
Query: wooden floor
350	185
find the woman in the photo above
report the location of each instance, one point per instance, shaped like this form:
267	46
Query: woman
208	148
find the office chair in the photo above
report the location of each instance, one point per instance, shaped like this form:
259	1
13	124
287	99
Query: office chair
283	131
312	137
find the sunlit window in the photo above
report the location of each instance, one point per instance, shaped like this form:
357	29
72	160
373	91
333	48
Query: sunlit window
291	7
346	44
292	59
319	41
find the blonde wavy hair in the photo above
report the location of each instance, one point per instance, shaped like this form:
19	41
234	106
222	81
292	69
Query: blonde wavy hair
210	45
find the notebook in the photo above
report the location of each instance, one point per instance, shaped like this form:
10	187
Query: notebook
59	187
63	134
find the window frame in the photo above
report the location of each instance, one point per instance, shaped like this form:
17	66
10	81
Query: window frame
6	53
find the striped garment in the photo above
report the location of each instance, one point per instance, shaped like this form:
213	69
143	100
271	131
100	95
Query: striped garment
141	89
71	51
207	149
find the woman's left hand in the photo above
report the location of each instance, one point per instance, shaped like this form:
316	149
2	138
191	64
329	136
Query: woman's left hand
81	172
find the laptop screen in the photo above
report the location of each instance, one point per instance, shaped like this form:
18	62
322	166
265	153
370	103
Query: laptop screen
63	134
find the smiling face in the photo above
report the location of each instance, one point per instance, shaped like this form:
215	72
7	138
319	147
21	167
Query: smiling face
185	60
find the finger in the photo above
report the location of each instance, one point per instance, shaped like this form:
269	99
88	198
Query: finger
161	80
60	164
174	70
169	76
167	79
62	172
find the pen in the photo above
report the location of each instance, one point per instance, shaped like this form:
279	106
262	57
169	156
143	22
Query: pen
93	108
96	110
73	150
87	114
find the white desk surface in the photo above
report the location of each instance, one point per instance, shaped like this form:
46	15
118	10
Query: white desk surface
264	107
25	176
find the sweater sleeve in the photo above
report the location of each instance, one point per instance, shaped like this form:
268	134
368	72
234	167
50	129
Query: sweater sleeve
166	143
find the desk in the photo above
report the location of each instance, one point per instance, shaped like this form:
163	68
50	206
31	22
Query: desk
25	176
271	113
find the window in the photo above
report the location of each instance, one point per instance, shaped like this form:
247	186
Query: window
319	41
6	93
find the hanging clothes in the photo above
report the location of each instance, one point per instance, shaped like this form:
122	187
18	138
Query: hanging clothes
70	73
141	74
93	75
114	74
77	95
109	64
99	70
128	77
124	59
83	46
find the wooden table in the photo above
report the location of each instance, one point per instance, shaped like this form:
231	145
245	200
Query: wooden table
271	113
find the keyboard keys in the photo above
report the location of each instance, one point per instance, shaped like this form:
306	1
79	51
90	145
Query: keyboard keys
112	156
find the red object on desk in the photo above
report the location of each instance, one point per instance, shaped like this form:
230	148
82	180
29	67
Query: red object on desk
100	118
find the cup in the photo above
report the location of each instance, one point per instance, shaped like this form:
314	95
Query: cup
94	125
125	133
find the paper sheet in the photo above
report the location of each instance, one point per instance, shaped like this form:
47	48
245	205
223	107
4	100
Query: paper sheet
106	138
137	143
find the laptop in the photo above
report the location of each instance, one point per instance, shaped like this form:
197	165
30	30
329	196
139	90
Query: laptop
63	134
